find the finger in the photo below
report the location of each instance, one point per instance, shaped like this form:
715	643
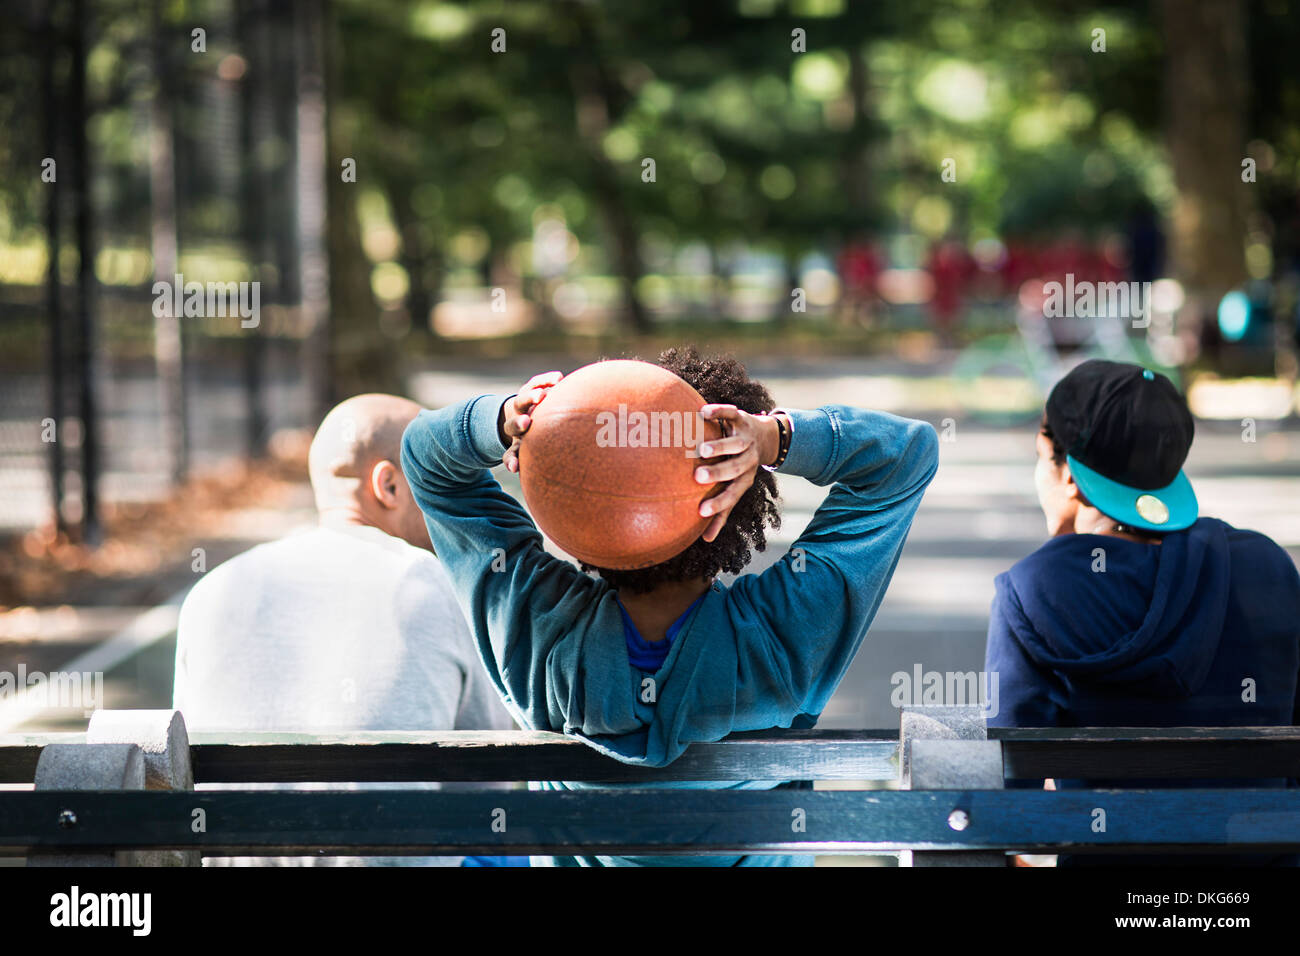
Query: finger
718	447
528	397
721	412
726	499
715	526
545	378
516	425
511	457
534	390
725	469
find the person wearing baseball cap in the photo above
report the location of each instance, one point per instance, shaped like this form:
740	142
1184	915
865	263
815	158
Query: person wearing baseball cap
1140	612
1126	433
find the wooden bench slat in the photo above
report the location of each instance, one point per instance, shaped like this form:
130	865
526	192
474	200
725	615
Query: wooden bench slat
1128	759
473	756
640	821
559	760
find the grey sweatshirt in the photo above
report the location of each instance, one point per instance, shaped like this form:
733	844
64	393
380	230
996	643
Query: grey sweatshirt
331	630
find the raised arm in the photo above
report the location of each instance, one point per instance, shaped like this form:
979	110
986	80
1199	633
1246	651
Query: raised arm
772	649
512	591
804	618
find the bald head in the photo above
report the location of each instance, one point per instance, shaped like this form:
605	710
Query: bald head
355	464
356	434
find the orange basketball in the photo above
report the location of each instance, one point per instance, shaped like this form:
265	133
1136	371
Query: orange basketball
608	464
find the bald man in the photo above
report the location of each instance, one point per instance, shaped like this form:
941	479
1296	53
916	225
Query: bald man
355	468
350	625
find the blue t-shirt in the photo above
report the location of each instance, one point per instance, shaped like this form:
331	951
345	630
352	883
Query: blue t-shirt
646	655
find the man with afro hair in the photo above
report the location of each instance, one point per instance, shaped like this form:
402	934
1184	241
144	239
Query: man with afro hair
571	651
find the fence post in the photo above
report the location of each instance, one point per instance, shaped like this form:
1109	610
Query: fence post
165	746
947	748
87	767
124	750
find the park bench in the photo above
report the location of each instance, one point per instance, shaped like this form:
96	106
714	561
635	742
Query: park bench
123	793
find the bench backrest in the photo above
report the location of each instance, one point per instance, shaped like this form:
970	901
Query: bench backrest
954	811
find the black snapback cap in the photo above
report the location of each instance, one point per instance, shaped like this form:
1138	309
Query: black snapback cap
1126	431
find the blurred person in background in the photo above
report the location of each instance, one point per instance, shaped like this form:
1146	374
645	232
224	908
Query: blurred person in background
951	268
859	265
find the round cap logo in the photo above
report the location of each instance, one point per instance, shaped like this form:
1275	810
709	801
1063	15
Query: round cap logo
1152	509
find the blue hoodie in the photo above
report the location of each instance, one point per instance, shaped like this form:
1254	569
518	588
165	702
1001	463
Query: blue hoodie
766	652
1178	634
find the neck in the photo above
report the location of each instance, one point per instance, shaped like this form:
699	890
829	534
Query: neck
654	611
1092	521
343	516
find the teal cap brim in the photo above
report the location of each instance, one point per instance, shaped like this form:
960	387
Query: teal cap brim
1138	507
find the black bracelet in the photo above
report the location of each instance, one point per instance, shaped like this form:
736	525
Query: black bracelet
783	449
505	439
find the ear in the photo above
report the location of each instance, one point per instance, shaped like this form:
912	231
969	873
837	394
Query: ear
383	483
1071	489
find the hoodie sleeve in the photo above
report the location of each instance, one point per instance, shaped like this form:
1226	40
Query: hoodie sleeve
1028	694
520	601
802	620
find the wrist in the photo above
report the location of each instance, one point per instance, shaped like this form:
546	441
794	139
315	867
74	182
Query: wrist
501	422
773	442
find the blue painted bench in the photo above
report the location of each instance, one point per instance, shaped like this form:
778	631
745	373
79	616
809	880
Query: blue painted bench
952	807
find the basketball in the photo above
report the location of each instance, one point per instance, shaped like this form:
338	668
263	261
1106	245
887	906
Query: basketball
608	464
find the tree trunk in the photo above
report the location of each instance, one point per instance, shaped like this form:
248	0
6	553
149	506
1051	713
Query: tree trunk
719	283
626	255
250	26
312	153
416	260
856	170
361	358
168	348
53	110
1205	95
594	96
79	119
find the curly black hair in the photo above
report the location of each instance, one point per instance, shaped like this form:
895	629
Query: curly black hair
719	380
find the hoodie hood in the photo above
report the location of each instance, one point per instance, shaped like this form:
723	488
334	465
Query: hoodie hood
1115	611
